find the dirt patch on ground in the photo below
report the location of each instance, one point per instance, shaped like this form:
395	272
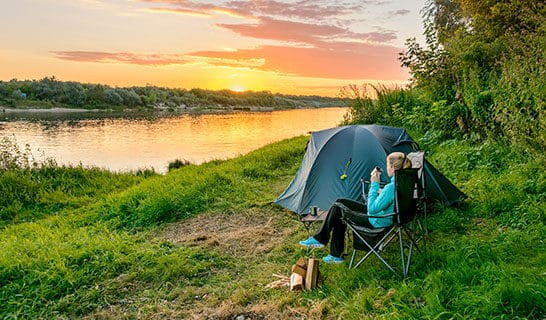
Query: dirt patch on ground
246	234
224	311
249	235
265	311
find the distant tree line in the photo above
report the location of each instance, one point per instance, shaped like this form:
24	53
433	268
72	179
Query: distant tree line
50	92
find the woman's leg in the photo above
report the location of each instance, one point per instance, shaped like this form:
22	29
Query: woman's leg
334	225
356	212
333	219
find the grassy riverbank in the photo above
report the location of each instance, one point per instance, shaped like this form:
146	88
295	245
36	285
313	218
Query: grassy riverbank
203	242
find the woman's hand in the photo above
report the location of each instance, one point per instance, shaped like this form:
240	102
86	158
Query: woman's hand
374	176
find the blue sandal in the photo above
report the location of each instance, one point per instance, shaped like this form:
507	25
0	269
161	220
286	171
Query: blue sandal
311	242
331	259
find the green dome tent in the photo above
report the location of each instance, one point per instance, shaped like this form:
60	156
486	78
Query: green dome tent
337	159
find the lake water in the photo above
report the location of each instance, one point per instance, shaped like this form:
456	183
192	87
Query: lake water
120	144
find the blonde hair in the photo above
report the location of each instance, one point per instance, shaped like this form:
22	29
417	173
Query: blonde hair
399	160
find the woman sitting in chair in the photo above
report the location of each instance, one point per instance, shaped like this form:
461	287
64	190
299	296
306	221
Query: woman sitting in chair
379	203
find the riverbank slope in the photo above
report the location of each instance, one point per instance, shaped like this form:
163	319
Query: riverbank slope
202	242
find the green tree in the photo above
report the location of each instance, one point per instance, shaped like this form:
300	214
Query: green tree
47	88
73	94
112	97
3	89
96	95
16	94
130	97
473	50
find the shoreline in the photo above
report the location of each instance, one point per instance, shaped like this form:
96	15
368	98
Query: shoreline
158	111
45	110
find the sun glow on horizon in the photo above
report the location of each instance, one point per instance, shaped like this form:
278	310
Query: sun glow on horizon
237	88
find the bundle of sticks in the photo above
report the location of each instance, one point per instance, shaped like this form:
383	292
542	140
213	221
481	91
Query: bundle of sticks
305	275
283	281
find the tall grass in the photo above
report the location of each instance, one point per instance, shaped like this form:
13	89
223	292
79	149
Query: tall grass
32	187
379	104
488	254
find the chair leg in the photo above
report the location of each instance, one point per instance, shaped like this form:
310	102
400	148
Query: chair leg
363	258
408	263
352	259
413	238
373	250
424	230
384	262
402	255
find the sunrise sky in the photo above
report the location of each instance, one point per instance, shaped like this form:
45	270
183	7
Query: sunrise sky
292	47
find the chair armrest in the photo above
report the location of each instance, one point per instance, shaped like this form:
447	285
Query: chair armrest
384	216
361	214
366	186
345	210
381	183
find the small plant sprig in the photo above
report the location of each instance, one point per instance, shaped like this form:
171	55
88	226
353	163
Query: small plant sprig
12	157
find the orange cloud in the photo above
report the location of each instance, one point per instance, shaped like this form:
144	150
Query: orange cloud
180	11
324	51
314	34
126	57
342	60
320	47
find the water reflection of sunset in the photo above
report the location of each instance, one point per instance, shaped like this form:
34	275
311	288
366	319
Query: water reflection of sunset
122	144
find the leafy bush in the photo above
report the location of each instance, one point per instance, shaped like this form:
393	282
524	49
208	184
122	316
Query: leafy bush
12	157
484	63
519	95
177	163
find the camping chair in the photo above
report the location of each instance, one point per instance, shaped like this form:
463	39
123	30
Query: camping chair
417	161
408	191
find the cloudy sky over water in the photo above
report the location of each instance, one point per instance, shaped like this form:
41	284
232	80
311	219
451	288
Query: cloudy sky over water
293	47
